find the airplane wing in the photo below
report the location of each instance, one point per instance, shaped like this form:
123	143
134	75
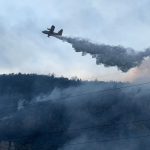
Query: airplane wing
51	29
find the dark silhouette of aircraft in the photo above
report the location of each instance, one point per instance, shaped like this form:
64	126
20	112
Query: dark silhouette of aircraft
50	31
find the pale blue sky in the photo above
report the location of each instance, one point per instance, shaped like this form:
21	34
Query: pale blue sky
24	49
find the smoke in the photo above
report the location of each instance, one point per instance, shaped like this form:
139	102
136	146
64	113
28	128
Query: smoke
142	72
81	117
123	58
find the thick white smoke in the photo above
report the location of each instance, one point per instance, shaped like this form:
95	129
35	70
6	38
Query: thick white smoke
123	58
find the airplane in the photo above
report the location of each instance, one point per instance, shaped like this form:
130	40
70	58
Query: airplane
50	31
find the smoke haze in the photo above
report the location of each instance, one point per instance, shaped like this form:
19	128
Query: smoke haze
79	116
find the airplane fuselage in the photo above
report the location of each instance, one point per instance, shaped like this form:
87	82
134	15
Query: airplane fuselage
49	33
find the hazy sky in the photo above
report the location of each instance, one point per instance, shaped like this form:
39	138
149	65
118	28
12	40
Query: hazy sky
25	49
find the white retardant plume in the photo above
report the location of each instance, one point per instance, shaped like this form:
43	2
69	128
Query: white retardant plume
123	58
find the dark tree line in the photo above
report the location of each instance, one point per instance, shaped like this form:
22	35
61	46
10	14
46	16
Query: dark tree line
30	85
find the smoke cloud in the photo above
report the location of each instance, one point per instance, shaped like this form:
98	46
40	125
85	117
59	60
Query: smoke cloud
142	72
123	58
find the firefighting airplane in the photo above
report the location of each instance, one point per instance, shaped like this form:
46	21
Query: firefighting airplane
50	32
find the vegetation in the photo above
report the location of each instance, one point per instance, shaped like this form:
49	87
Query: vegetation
30	85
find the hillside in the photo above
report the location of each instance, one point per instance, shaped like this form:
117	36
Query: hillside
45	112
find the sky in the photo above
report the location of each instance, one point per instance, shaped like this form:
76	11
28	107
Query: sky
25	49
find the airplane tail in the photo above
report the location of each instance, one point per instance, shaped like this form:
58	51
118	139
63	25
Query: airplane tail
60	32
